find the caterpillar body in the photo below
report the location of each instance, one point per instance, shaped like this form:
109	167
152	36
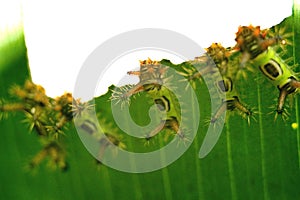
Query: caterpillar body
48	117
97	130
156	82
166	102
214	60
252	42
219	69
55	153
105	137
232	102
151	75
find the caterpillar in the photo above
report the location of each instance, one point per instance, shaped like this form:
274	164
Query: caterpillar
106	137
166	102
254	45
48	117
215	59
151	76
232	102
55	153
156	82
215	62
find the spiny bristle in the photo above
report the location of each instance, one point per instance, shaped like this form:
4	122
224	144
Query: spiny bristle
250	114
55	154
242	71
215	122
182	137
169	82
189	76
149	140
282	112
121	95
283	36
3	112
149	62
78	107
36	120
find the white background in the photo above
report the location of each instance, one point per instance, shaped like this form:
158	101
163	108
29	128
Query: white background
61	34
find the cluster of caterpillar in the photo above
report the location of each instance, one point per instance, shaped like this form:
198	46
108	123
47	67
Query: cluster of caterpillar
215	63
47	116
254	49
50	118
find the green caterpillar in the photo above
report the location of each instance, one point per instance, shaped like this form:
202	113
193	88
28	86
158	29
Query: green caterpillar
104	137
232	102
253	44
156	82
215	62
166	102
151	76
